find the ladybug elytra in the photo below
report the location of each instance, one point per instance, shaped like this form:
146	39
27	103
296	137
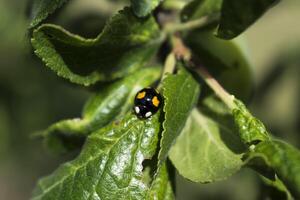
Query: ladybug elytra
147	102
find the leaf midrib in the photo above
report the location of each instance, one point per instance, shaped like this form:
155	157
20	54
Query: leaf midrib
83	165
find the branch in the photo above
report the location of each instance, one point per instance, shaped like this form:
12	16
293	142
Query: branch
169	65
227	98
183	52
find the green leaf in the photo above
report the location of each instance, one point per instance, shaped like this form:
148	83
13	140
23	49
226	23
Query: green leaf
181	92
200	8
284	159
214	106
251	130
41	9
143	8
110	103
124	45
206	150
237	16
110	165
226	60
161	188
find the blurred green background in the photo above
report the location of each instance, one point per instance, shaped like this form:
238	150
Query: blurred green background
32	97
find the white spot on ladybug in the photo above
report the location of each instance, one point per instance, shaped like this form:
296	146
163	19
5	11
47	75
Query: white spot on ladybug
148	114
137	109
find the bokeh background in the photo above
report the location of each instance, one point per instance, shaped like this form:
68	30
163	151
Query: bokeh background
32	97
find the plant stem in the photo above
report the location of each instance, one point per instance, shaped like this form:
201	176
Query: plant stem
177	51
180	51
193	24
169	65
169	68
215	86
184	52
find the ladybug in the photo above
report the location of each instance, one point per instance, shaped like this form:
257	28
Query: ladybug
147	102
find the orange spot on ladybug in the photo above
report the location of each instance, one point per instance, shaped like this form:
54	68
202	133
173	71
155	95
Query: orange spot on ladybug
141	95
155	101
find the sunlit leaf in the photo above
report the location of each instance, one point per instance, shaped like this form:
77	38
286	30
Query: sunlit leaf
124	45
110	165
110	103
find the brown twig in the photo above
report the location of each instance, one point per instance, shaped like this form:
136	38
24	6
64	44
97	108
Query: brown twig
183	52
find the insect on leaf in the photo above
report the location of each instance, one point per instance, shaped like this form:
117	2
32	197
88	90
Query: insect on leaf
110	103
110	165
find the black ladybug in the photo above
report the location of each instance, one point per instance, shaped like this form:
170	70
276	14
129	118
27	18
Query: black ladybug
147	102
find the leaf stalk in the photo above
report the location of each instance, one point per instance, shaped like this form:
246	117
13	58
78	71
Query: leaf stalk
183	52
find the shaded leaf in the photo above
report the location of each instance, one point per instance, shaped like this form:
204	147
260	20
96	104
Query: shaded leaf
109	166
200	8
143	8
215	107
181	93
237	16
41	9
251	130
226	60
284	159
206	150
110	103
161	188
124	45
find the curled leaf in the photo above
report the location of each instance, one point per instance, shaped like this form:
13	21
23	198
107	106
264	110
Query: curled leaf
284	159
41	9
251	130
125	44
